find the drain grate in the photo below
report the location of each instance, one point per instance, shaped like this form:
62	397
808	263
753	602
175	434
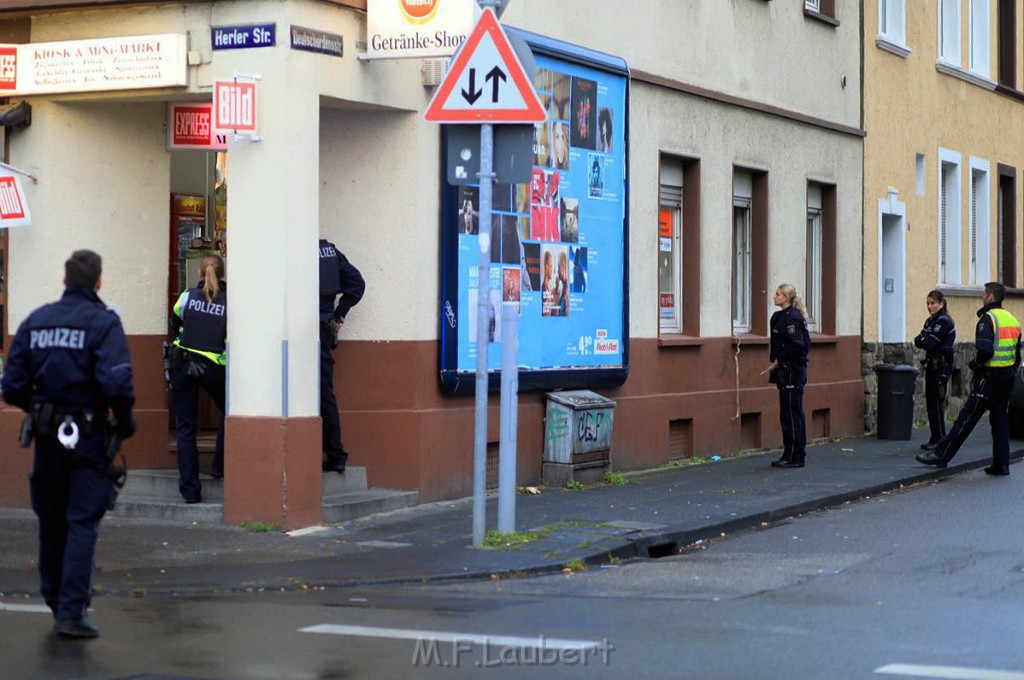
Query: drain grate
663	550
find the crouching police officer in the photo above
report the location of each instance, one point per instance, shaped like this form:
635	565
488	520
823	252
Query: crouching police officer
68	368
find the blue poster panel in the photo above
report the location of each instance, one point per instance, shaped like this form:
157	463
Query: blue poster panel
558	243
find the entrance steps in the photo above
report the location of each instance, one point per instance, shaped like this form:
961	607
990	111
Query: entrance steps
153	494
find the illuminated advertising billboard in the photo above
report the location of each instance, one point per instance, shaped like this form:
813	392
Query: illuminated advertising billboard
558	243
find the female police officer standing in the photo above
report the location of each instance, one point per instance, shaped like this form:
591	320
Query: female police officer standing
69	365
936	339
198	361
790	343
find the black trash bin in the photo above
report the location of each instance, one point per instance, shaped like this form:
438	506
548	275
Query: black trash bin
895	400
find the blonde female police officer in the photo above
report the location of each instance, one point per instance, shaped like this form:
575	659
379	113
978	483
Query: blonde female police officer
69	366
790	343
198	360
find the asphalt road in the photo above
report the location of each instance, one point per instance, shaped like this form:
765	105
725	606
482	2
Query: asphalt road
928	582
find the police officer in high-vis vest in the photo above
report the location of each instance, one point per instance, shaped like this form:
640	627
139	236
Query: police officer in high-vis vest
69	368
338	276
997	341
198	360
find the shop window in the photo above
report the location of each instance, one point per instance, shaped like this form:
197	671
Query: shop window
979	223
820	281
980	38
949	217
949	31
823	10
892	26
679	246
750	252
741	263
1008	43
1006	216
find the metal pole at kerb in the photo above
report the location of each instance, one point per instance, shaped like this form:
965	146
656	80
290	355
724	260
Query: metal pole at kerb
483	333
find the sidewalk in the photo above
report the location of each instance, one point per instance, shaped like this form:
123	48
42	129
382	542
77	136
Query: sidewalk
654	514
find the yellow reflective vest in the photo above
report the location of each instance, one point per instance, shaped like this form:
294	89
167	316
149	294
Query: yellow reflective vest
1006	335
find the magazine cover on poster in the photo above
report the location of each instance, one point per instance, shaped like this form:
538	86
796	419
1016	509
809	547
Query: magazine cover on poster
558	243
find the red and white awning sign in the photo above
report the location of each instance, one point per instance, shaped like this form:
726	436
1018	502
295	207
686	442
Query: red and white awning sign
13	204
234	105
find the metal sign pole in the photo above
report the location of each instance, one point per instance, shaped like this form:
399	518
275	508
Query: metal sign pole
483	328
509	416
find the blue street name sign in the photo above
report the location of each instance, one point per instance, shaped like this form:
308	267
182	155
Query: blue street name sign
243	37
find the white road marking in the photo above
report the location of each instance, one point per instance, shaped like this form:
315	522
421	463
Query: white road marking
30	608
447	636
948	672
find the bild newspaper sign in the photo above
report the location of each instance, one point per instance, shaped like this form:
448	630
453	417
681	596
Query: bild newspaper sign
13	204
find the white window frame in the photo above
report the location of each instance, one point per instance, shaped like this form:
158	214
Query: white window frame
670	196
813	298
980	269
949	32
981	39
742	259
892	26
949	197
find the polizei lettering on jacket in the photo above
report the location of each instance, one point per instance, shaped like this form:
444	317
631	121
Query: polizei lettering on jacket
57	338
203	307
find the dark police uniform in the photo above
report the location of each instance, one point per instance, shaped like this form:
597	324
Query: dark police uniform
937	339
198	361
70	362
790	343
997	341
338	276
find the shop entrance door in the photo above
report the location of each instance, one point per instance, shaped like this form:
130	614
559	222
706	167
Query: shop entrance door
198	227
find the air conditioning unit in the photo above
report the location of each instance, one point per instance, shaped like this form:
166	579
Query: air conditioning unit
434	70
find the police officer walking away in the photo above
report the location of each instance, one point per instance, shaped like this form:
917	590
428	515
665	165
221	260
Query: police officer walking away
69	366
937	339
997	342
338	276
198	360
790	344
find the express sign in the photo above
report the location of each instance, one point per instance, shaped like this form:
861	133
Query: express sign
190	126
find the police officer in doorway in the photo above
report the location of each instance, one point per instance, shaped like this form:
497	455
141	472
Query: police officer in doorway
338	276
69	368
198	360
997	342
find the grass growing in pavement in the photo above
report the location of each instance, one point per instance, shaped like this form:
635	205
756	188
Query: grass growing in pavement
614	478
259	527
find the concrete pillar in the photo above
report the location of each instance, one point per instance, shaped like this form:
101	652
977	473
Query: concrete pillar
272	445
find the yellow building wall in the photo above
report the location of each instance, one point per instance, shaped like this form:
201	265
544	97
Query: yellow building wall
911	108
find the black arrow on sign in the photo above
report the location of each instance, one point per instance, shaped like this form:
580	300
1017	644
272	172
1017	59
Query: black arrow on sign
495	75
474	93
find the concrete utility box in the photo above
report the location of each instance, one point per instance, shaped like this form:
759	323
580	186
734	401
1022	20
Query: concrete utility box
577	437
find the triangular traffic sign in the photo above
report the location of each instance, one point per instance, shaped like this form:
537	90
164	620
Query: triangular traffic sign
486	83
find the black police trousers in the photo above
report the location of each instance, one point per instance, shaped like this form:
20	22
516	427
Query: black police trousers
186	381
990	392
70	492
791	412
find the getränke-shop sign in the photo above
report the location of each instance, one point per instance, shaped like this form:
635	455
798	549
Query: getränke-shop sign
401	29
127	63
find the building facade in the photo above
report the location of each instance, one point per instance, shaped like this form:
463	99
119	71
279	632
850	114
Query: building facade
740	163
942	195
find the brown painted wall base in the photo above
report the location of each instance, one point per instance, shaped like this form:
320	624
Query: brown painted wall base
272	473
681	399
